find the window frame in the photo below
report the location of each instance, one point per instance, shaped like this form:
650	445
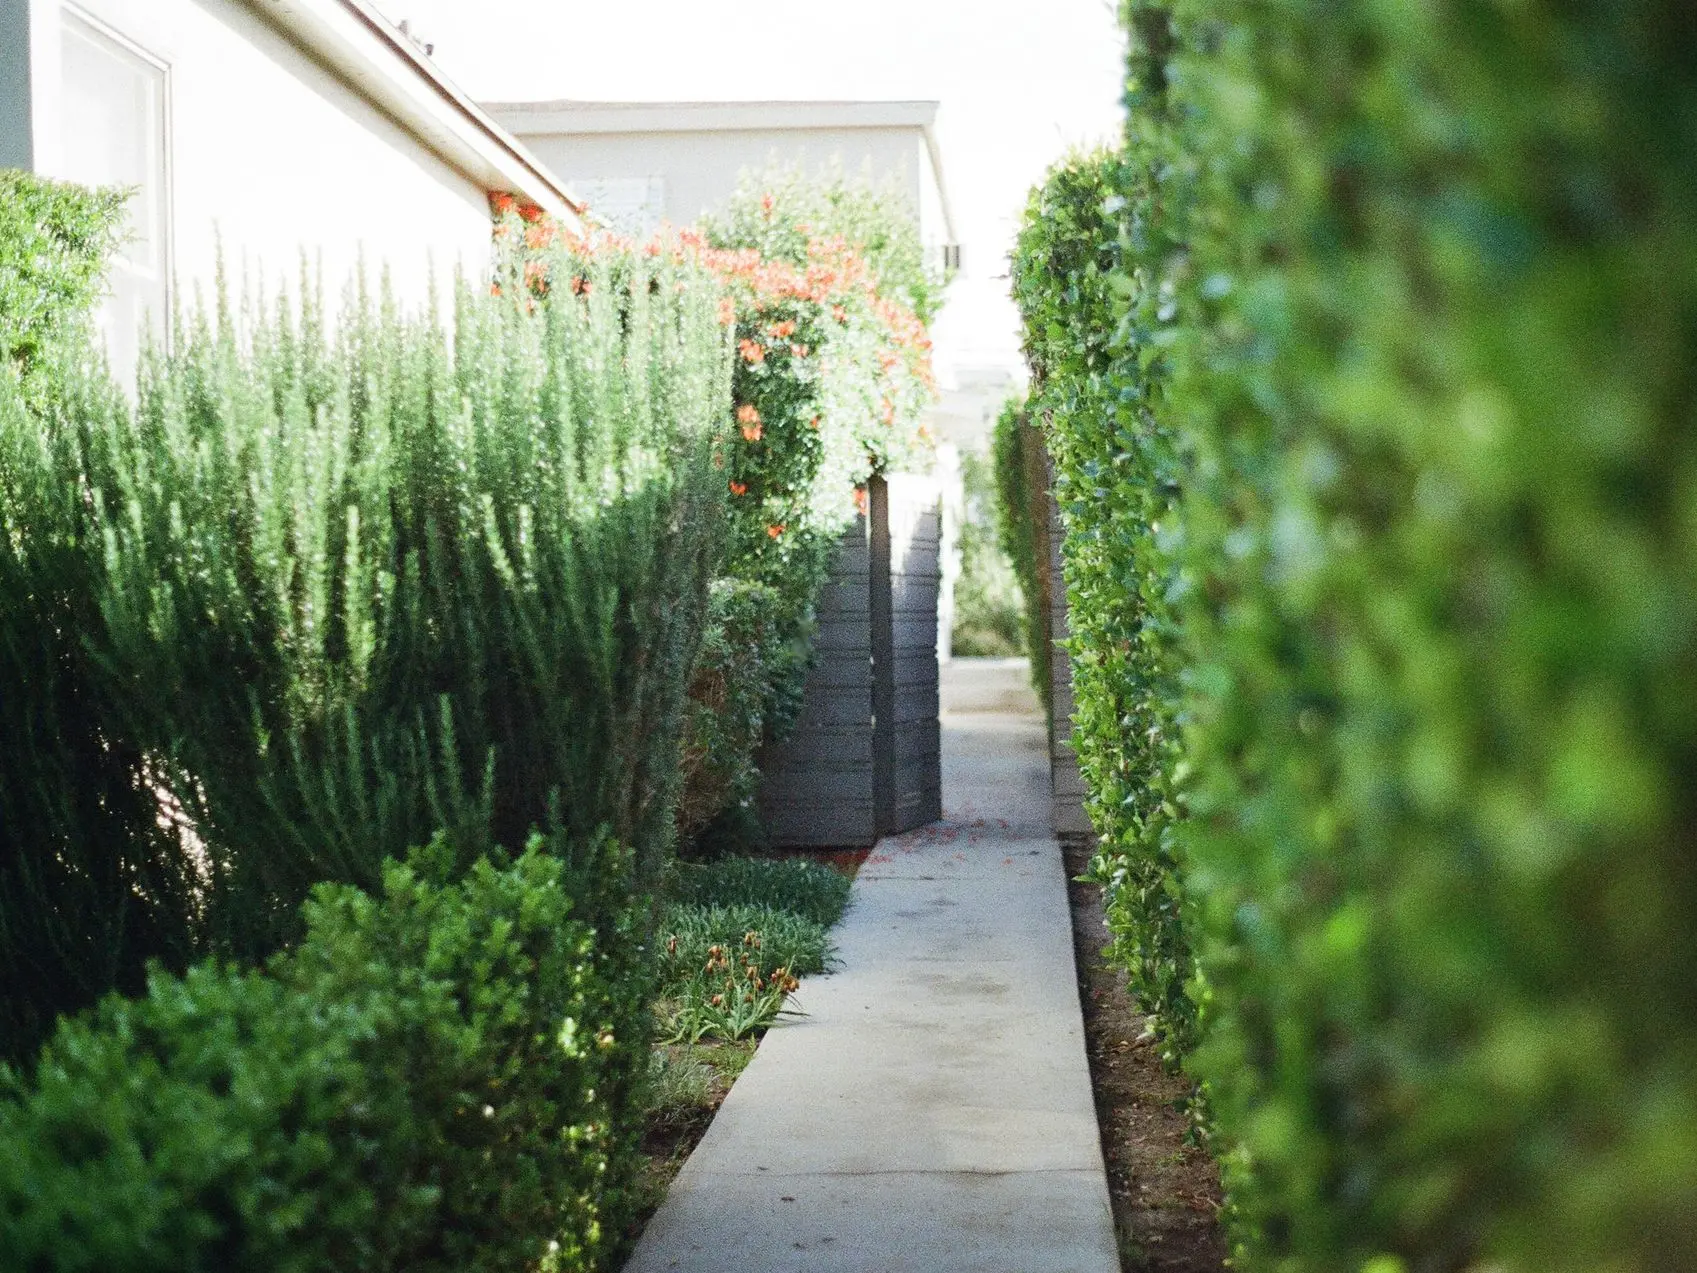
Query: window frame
98	30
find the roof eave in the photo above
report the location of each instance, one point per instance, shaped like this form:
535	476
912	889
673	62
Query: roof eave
381	64
693	117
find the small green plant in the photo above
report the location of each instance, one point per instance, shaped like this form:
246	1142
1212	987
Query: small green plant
808	889
736	940
680	1087
725	1000
728	971
781	936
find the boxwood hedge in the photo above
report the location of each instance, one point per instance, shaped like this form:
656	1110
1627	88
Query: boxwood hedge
424	1083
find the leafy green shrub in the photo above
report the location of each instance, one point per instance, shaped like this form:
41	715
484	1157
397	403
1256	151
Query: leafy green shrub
420	1085
1022	529
727	705
808	889
54	242
876	218
1445	624
1399	289
831	383
989	610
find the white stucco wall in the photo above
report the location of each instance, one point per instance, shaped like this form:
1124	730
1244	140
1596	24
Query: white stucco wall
273	154
701	169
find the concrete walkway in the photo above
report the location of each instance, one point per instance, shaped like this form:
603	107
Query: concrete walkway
932	1111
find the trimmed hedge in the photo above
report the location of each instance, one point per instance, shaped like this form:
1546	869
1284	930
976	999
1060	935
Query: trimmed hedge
421	1085
1022	529
1096	372
1410	291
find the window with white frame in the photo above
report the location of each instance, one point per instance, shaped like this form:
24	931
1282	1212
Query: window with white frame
631	205
113	108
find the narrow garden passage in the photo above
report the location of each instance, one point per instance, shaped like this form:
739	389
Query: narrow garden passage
932	1112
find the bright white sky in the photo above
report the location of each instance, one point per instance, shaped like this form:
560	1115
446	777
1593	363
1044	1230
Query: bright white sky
1019	81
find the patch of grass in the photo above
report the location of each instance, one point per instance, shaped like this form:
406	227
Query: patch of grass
806	889
687	1083
681	1087
730	1059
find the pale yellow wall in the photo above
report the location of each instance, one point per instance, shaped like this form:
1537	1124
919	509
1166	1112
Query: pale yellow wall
274	154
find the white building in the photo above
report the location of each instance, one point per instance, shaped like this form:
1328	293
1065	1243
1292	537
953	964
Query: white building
269	127
639	163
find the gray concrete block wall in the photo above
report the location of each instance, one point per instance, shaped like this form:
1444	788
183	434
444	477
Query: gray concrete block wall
909	681
816	790
866	759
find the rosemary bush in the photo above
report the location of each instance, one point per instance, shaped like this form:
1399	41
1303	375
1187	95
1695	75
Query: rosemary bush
92	885
341	589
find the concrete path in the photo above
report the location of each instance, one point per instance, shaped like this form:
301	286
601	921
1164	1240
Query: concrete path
932	1111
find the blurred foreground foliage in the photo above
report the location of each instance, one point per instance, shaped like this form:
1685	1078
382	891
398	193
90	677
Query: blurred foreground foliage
1368	369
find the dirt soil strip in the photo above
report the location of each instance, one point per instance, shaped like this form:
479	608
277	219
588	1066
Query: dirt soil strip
1165	1191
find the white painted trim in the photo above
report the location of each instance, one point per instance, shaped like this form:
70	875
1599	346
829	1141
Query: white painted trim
362	48
70	10
46	49
707	117
936	156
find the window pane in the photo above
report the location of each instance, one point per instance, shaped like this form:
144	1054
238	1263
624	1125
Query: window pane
113	108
